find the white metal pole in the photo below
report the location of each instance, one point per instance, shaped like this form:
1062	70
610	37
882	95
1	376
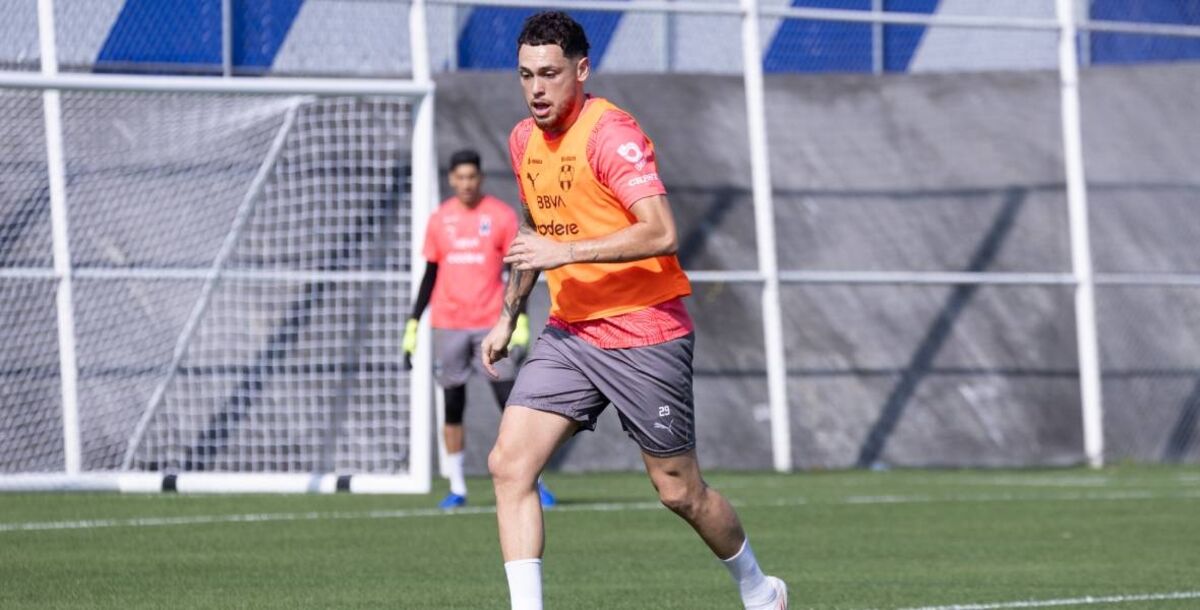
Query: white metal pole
668	41
267	85
424	192
1084	14
877	51
227	38
1081	249
456	25
56	168
764	225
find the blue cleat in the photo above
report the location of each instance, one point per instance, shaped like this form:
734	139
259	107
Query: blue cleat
453	500
548	499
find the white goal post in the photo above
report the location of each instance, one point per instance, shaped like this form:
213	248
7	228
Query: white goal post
207	279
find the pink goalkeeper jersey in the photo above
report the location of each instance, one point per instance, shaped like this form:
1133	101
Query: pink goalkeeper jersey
622	159
468	247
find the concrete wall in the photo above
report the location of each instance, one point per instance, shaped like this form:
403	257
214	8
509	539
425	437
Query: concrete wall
908	173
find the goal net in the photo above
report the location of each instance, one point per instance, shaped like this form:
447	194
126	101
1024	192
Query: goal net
240	268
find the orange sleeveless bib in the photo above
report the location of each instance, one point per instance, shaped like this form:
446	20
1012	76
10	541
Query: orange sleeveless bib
567	203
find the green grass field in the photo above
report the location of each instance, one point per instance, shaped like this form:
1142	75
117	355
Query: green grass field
850	540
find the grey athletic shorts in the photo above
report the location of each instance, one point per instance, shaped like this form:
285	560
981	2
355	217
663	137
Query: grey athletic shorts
651	387
456	352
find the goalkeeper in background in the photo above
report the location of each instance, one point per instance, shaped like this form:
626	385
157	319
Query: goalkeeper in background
465	243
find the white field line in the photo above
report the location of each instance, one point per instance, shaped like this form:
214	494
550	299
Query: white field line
1182	481
306	516
1096	496
1030	481
1085	481
1099	496
1078	601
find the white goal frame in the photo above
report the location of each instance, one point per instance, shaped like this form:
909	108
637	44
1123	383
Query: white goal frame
424	195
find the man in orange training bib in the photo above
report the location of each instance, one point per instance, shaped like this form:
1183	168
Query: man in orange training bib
598	222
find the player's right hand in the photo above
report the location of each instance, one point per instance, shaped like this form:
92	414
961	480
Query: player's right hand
410	341
495	347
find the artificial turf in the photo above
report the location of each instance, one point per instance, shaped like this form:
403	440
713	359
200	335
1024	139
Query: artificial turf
847	540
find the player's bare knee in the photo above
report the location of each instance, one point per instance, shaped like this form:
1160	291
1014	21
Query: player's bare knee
509	468
497	464
682	499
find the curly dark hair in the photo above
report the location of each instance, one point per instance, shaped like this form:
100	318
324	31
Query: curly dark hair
555	27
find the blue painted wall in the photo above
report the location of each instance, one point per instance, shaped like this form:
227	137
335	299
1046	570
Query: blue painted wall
487	41
1109	48
802	45
900	42
259	29
184	36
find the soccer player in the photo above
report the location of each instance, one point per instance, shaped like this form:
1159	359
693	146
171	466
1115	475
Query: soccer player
464	248
598	222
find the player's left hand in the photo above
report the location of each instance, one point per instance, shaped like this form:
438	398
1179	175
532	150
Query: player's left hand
531	252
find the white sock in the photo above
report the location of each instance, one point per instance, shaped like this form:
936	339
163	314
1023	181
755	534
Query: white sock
751	582
524	583
454	469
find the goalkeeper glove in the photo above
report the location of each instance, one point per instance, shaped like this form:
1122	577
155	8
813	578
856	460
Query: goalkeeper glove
410	336
520	334
410	342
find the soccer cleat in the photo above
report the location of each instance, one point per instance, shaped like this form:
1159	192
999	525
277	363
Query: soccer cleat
780	588
778	601
548	499
453	500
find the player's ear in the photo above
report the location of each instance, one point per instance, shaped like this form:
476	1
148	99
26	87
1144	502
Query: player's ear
583	69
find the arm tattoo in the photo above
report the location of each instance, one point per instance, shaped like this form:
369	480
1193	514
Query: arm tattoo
581	256
527	224
520	283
